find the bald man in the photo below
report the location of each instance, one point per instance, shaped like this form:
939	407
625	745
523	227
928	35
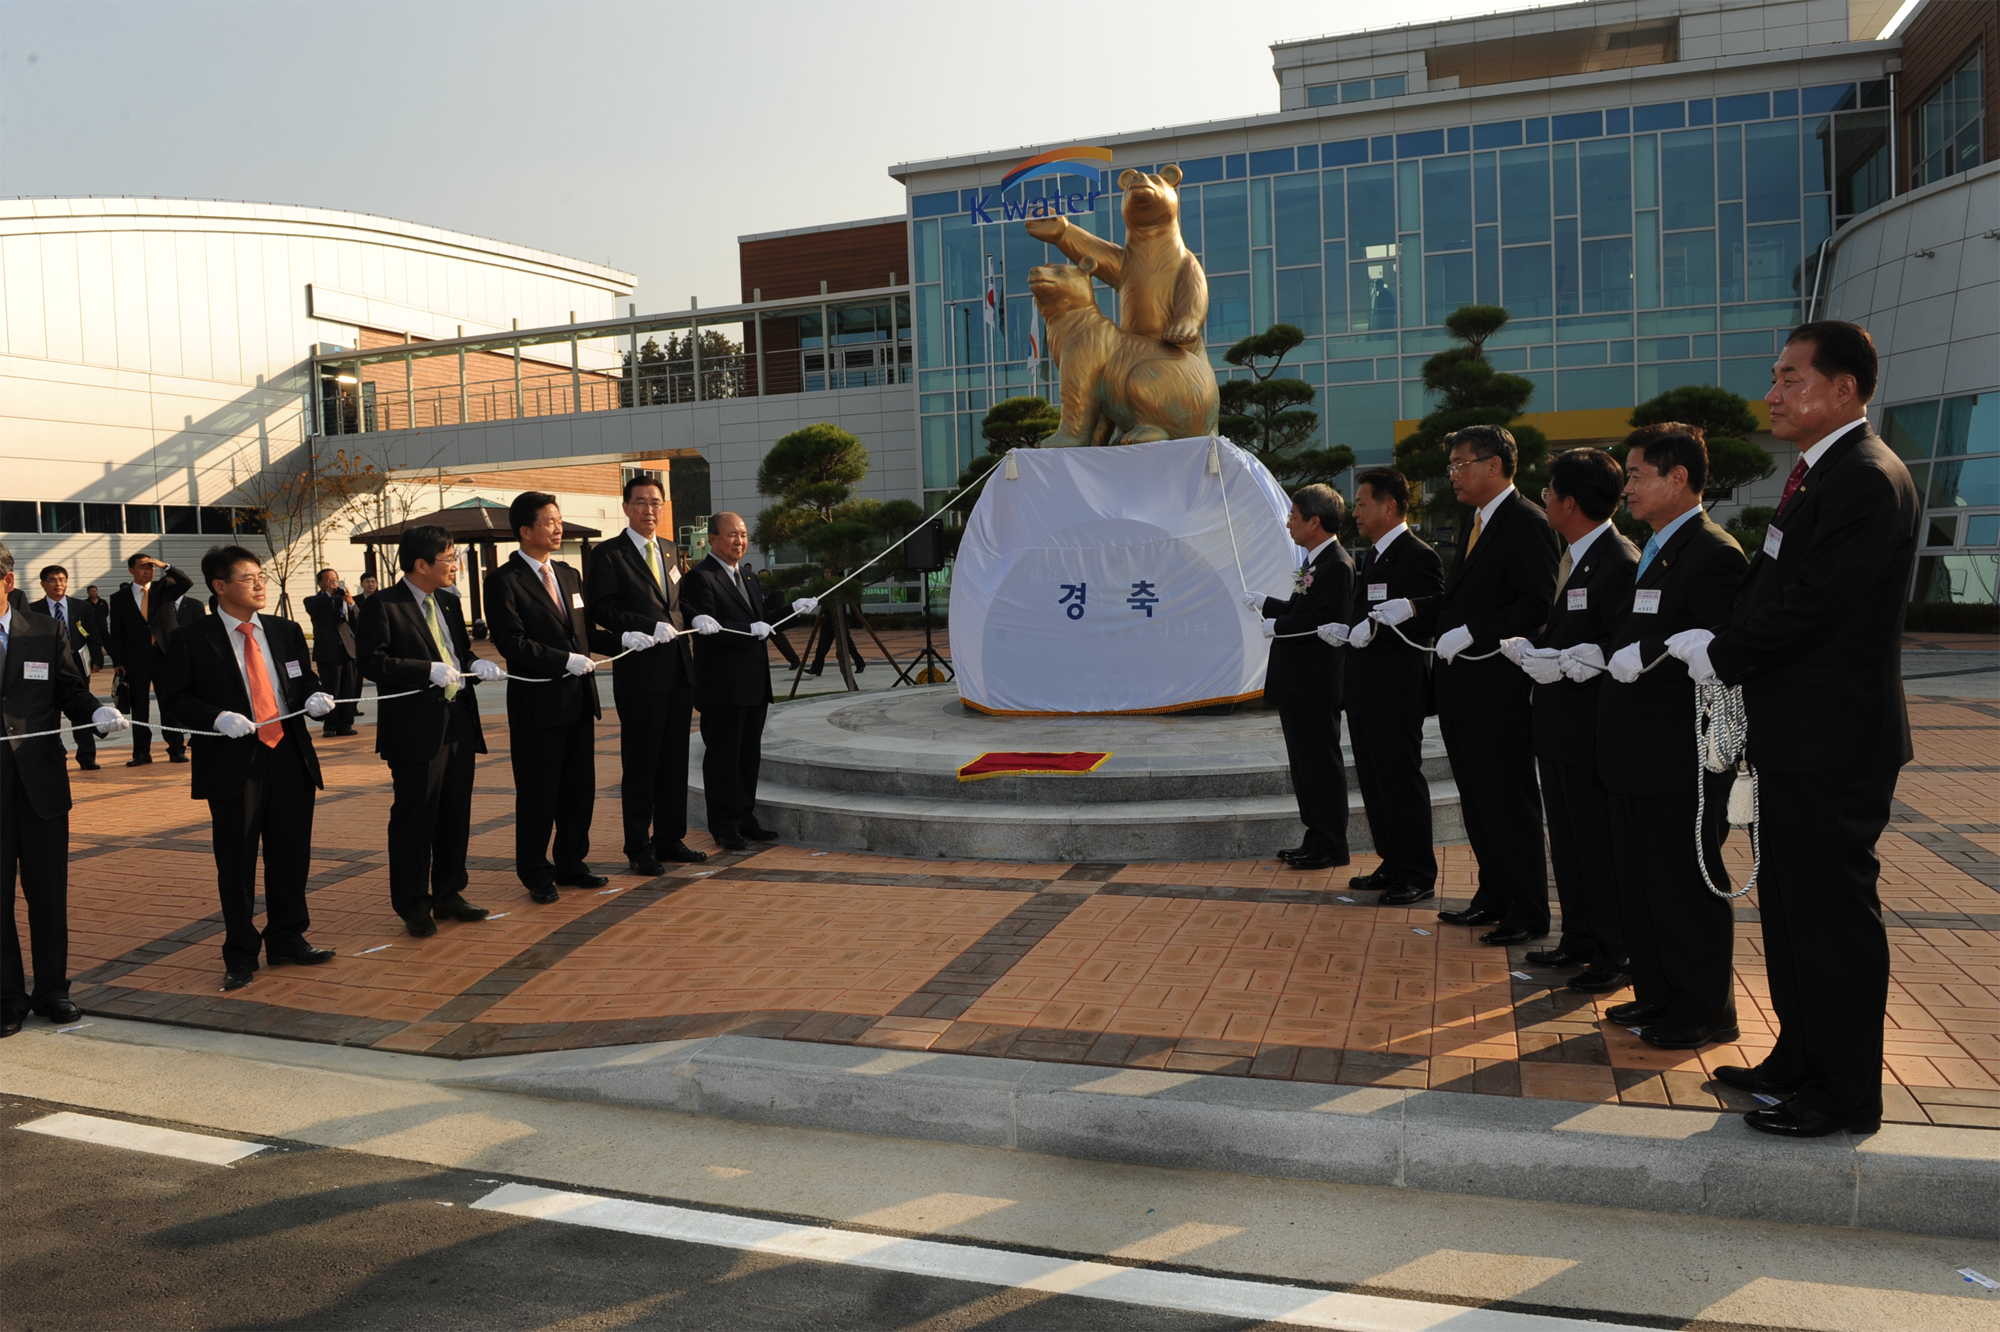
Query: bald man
732	678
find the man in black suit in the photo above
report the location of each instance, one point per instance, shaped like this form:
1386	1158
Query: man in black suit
1387	687
1303	674
1594	577
535	611
143	621
74	617
333	614
1815	642
40	683
98	621
633	590
238	671
732	680
1500	587
1680	935
411	639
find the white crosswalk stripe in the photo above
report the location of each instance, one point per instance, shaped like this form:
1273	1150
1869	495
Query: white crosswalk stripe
143	1138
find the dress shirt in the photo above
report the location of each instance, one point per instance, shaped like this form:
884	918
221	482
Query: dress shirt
1818	451
1487	510
1313	554
139	594
659	553
1661	537
1583	543
536	566
271	667
423	608
1389	537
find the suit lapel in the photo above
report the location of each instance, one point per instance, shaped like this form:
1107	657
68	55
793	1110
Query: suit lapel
217	641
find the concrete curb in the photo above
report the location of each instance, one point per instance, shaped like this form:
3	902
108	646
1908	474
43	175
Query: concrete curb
1914	1179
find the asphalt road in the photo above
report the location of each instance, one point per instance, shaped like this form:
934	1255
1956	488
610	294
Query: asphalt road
95	1236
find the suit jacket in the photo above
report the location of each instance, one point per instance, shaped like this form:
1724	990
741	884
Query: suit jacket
333	633
397	650
141	644
1389	678
1816	639
1306	672
39	705
1565	720
1502	589
201	680
536	637
100	616
730	670
187	610
623	597
82	624
1645	730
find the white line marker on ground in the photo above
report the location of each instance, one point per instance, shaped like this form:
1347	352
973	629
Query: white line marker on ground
1222	1296
143	1138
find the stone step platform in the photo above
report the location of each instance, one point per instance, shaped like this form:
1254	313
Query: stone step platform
880	773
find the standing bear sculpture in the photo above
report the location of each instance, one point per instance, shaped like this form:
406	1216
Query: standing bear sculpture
1118	387
1162	291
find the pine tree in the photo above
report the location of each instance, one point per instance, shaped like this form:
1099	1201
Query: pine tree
1472	392
1271	417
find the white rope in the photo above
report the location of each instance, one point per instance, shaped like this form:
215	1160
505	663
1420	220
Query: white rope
192	730
1721	742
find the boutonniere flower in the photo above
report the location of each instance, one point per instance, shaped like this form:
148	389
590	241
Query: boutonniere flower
1302	579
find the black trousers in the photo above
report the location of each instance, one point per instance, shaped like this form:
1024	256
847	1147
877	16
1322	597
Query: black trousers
1578	810
830	624
96	650
36	851
1680	936
1319	776
275	806
653	759
430	819
1493	762
139	683
1389	766
555	787
733	737
341	678
1824	945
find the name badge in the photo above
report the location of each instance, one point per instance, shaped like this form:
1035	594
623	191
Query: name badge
576	600
34	670
1646	602
1378	591
1773	539
1579	598
292	670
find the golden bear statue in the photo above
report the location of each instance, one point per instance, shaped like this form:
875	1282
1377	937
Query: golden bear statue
1118	387
1162	292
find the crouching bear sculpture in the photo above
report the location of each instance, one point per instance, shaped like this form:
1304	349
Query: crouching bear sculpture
1118	387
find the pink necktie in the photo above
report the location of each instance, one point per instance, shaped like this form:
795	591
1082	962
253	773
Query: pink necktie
549	582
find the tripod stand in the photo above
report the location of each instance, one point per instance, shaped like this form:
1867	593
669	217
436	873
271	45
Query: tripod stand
930	667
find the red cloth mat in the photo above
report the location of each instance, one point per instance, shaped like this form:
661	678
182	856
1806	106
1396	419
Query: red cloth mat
1005	763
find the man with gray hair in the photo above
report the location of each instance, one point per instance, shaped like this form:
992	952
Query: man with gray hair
1303	678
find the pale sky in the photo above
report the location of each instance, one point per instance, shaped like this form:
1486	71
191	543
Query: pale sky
646	136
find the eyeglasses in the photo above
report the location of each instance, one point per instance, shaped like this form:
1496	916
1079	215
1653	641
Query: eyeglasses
645	504
251	580
1455	468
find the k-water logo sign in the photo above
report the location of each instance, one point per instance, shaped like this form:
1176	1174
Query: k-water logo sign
1078	159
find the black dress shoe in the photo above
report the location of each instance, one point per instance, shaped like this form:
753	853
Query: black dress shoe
60	1010
1791	1120
730	841
1373	882
1691	1037
1592	981
10	1026
1404	894
1755	1080
421	927
1470	916
1290	852
757	832
1634	1013
1556	957
457	908
138	763
582	878
1504	936
1318	860
236	980
87	767
645	867
177	758
683	854
544	893
304	955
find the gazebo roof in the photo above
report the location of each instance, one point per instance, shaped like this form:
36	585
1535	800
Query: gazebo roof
476	520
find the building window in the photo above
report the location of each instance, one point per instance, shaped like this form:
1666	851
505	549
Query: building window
142	518
19	516
1951	124
103	518
61	517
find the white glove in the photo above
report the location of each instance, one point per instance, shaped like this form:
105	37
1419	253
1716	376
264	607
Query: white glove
1543	665
234	724
1454	642
109	721
444	673
487	671
1394	612
1333	635
319	705
578	664
805	605
1512	648
760	630
1254	601
1361	635
633	641
1583	662
1626	664
706	624
1270	628
664	633
1691	646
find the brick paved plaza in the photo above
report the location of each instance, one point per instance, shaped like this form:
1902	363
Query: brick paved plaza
1228	967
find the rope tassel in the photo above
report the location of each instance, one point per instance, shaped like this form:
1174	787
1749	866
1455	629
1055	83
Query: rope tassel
1013	472
1214	457
1722	742
1743	798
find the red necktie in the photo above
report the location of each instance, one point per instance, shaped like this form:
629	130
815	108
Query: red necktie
1792	482
263	703
549	582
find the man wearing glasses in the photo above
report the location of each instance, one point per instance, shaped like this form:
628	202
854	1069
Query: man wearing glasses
240	672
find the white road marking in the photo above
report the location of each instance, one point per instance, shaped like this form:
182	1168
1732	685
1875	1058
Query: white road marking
143	1138
1222	1296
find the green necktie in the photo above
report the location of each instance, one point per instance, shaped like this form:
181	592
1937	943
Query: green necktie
437	636
653	566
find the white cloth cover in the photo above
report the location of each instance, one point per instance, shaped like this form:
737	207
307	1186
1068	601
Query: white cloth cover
1141	530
